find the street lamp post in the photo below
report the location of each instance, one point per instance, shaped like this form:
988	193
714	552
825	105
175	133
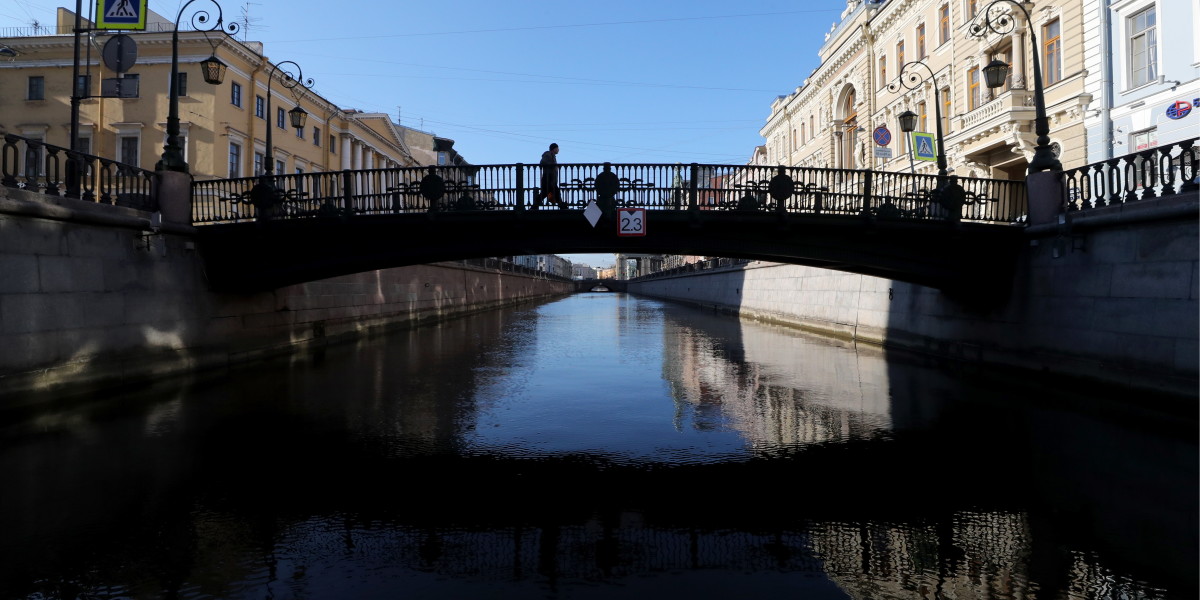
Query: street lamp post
997	71
213	71
265	196
298	116
908	119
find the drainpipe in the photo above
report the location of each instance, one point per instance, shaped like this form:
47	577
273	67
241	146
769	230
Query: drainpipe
251	118
1106	80
869	36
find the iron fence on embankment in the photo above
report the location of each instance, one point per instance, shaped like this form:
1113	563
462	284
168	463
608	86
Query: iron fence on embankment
1158	172
743	188
33	165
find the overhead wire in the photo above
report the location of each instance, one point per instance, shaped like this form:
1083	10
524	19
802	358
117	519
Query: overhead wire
559	26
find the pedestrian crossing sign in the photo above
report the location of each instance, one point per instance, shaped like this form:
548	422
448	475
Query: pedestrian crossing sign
121	14
924	146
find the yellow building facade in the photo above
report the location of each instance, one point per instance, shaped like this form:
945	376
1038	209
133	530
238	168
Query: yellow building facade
224	127
829	120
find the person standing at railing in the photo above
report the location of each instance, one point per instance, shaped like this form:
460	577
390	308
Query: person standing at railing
549	186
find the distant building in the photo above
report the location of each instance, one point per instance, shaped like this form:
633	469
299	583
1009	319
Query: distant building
546	263
223	127
431	150
581	271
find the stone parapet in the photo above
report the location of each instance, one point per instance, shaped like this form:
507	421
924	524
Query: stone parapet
93	296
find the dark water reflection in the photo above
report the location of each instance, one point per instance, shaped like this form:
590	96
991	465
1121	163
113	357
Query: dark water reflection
596	447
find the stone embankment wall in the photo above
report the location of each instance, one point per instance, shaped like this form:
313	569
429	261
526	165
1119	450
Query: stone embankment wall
1109	296
88	298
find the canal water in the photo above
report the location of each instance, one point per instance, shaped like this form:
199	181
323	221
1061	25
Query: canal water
599	446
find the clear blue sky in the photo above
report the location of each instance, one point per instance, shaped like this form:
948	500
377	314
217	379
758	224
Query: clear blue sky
652	81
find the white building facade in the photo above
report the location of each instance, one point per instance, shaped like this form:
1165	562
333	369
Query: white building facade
1142	58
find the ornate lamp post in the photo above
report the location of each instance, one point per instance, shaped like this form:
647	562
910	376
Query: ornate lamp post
997	71
298	116
213	71
910	80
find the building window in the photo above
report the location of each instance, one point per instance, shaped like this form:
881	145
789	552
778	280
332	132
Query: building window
899	56
441	159
300	132
235	160
1052	52
127	150
972	8
1143	140
1143	47
235	94
279	166
332	144
803	134
36	89
259	162
974	93
882	68
299	171
317	136
946	109
920	41
922	121
944	23
181	79
280	118
260	107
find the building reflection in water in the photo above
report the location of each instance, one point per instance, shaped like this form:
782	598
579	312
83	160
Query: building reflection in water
352	473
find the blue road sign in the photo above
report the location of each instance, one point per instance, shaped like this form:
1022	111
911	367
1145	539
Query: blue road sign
121	14
924	146
882	136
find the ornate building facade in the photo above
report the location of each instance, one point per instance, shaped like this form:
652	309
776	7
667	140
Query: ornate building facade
829	120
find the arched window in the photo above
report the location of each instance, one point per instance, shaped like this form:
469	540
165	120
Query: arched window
849	130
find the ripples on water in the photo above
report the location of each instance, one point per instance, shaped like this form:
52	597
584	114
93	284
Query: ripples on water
595	447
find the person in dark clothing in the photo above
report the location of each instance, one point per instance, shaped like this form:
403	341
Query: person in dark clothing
549	188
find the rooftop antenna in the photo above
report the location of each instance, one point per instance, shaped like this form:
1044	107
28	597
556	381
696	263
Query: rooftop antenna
246	20
398	114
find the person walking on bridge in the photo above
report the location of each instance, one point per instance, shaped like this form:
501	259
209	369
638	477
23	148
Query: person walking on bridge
549	189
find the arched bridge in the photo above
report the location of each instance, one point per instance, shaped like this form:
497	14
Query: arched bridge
945	232
600	285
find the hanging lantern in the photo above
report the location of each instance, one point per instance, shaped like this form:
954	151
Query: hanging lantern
908	121
299	116
995	73
213	70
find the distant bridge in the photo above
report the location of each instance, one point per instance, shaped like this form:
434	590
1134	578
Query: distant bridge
942	232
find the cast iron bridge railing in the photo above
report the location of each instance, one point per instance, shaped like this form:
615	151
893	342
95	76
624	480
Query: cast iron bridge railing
668	187
36	166
1158	172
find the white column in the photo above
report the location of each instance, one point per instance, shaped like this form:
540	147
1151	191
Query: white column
1018	51
346	153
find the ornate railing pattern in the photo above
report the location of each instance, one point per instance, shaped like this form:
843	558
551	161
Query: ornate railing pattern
1153	173
695	187
40	167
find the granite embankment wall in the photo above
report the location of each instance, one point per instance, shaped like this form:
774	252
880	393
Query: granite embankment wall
1108	296
87	298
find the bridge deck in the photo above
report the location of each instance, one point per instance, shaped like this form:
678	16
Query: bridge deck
943	232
